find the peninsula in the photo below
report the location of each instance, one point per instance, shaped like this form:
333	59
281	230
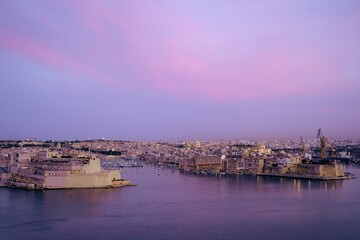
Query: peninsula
51	170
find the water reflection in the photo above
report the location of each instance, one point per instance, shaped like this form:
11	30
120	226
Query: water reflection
86	202
54	205
262	183
167	204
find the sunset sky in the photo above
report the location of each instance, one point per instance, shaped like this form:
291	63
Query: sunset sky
179	69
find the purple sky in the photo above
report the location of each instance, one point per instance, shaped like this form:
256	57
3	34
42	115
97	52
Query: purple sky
179	69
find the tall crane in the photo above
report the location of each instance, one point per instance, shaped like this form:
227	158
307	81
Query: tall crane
303	147
323	142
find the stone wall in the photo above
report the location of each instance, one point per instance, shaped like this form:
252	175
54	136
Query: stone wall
308	169
90	180
331	170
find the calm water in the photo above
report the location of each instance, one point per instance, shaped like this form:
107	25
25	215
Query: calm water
172	205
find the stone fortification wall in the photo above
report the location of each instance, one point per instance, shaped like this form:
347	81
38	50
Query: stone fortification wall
308	169
93	166
90	180
332	171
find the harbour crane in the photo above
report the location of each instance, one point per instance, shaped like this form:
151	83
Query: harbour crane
303	147
323	142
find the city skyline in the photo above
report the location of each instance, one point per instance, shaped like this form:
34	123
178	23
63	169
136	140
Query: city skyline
150	70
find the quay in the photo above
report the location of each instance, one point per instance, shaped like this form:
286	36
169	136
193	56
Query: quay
308	177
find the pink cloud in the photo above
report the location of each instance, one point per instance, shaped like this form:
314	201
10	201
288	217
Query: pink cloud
262	74
47	55
132	45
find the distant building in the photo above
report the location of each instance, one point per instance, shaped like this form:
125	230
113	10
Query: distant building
197	144
202	163
47	154
55	173
231	165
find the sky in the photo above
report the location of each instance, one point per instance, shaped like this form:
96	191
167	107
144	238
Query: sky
179	69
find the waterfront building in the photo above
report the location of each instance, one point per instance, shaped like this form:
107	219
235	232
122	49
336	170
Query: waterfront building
203	163
62	172
231	165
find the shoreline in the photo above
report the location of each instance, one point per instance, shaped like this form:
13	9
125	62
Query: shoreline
308	177
348	176
125	183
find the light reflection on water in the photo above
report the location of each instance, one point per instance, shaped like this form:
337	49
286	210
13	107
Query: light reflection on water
173	205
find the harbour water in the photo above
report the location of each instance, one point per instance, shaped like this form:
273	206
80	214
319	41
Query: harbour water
167	204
